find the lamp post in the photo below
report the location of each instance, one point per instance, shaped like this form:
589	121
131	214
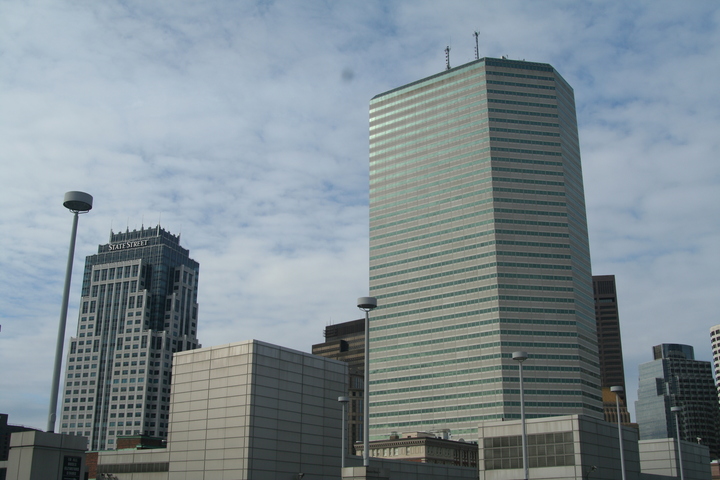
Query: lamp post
618	390
366	304
676	411
77	203
343	401
520	357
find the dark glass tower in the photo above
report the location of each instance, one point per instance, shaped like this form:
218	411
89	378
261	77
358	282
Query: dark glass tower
138	307
612	371
478	248
675	379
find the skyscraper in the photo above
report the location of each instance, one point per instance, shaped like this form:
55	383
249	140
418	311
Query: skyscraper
138	307
612	371
675	379
478	248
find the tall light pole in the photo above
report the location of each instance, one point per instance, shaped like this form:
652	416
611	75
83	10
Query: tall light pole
344	401
366	304
520	357
77	203
676	411
618	390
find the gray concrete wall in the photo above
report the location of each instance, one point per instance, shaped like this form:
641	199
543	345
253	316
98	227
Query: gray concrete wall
46	456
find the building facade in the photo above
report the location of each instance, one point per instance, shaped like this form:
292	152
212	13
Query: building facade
346	342
425	447
478	248
138	307
675	379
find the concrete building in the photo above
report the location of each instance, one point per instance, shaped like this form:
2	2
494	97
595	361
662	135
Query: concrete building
245	410
579	447
138	307
659	457
478	248
346	342
675	379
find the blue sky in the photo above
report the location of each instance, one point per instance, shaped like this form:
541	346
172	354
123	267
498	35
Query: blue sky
243	126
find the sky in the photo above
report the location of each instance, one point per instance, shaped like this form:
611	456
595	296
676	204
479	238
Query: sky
243	126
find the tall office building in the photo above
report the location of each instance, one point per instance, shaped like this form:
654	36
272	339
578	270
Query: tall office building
675	379
138	307
478	248
612	370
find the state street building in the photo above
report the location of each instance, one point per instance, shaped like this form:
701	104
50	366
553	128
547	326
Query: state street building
478	249
138	307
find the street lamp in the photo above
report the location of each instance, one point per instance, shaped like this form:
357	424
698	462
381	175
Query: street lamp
344	401
520	357
676	411
618	390
366	304
77	203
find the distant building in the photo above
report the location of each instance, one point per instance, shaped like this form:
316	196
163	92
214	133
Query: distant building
675	379
715	341
346	342
425	448
138	307
610	355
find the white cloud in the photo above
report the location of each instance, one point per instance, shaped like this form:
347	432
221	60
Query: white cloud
244	126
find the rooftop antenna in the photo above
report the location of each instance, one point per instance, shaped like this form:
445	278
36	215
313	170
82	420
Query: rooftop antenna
447	57
477	48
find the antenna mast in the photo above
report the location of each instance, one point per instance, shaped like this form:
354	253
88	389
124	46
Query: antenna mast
447	58
477	48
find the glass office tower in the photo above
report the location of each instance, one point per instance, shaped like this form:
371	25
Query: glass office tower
138	307
478	248
675	379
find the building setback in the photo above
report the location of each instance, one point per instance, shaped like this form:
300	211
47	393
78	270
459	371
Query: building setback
675	379
478	248
346	342
138	307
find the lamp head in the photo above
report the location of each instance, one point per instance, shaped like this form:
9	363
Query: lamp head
617	389
676	409
366	303
520	356
343	399
78	202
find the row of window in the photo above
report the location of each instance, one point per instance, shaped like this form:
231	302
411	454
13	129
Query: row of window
113	273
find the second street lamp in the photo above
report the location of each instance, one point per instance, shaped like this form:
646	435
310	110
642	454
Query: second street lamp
366	304
520	357
618	390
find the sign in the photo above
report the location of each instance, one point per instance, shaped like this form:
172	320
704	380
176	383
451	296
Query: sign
122	246
71	467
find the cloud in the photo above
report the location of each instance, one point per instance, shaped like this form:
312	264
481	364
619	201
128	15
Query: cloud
243	126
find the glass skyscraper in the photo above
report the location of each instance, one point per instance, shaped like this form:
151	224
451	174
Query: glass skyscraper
478	248
138	307
675	379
